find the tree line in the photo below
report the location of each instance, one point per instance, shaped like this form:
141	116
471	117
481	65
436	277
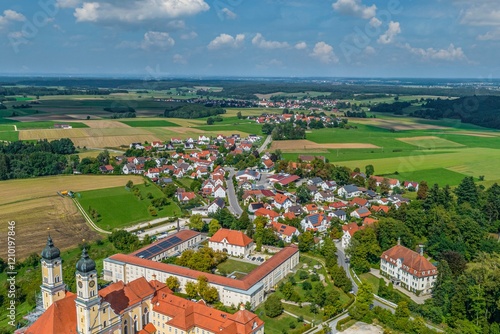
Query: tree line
191	111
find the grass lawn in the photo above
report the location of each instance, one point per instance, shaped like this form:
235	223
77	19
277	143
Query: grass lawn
231	265
280	324
305	312
250	128
119	207
149	123
370	279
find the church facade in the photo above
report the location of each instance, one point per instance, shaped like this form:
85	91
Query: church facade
138	307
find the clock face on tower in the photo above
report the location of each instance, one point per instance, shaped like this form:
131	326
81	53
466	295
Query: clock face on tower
80	284
92	283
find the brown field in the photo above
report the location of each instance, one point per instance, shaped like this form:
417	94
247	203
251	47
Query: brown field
35	206
112	141
399	125
104	124
476	134
35	218
51	134
295	145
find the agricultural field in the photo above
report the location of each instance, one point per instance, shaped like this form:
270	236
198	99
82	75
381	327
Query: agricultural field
37	210
149	123
442	152
119	207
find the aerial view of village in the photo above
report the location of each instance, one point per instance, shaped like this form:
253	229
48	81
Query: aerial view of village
237	167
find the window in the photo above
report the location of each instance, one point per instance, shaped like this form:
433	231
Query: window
104	324
104	311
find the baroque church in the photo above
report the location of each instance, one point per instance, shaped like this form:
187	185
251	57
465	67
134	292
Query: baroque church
139	307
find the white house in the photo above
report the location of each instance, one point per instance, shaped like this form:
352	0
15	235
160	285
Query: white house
219	192
282	202
349	231
324	196
285	232
409	269
349	191
340	214
216	205
315	222
232	242
247	174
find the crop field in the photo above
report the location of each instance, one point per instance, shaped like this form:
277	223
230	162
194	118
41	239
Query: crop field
149	123
430	142
35	207
119	207
47	125
307	146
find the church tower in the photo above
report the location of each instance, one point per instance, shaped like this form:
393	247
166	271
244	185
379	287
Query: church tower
87	298
53	288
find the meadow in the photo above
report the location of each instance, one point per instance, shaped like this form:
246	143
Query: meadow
119	207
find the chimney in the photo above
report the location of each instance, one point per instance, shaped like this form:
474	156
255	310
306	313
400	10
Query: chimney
399	241
421	249
154	277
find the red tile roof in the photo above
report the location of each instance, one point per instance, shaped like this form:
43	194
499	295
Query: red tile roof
413	263
244	284
60	317
279	198
233	237
266	212
351	228
121	296
284	229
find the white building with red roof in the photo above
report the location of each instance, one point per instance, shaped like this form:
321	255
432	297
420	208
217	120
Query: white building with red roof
409	269
235	243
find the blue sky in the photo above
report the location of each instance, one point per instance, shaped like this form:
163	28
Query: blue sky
334	38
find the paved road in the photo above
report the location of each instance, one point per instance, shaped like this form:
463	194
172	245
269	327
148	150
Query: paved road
266	142
341	260
234	205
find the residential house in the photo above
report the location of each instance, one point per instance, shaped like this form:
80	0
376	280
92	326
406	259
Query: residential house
310	208
269	214
349	191
349	230
247	174
282	202
362	212
316	222
235	243
340	214
219	192
285	232
106	169
324	196
411	184
216	205
359	202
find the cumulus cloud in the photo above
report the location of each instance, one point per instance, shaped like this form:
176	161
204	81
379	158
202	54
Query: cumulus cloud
260	42
132	11
374	22
452	53
226	41
228	14
481	13
490	36
301	45
324	53
151	40
355	8
189	35
391	33
10	16
179	59
68	3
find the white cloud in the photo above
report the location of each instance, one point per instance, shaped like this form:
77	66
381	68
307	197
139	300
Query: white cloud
355	8
228	14
324	53
391	33
10	16
225	40
260	42
189	35
369	51
179	59
151	40
301	45
68	3
374	22
132	11
481	13
493	35
452	53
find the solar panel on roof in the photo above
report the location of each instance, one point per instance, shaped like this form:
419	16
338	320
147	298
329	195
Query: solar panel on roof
158	248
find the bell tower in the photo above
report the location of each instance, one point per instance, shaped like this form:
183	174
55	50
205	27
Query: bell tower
87	298
53	288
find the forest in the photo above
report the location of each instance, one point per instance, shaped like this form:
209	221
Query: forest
26	159
478	110
191	111
286	131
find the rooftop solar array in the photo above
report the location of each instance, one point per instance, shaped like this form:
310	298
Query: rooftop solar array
158	248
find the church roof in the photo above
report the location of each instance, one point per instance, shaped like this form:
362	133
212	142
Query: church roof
60	317
85	264
50	251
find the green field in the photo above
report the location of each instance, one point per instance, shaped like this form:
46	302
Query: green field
119	207
440	176
47	125
149	123
9	135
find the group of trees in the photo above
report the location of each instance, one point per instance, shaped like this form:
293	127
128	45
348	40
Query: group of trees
26	159
285	131
192	111
202	290
205	259
395	108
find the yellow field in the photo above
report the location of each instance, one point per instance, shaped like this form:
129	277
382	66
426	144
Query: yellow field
35	206
429	142
396	124
104	124
52	134
25	189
